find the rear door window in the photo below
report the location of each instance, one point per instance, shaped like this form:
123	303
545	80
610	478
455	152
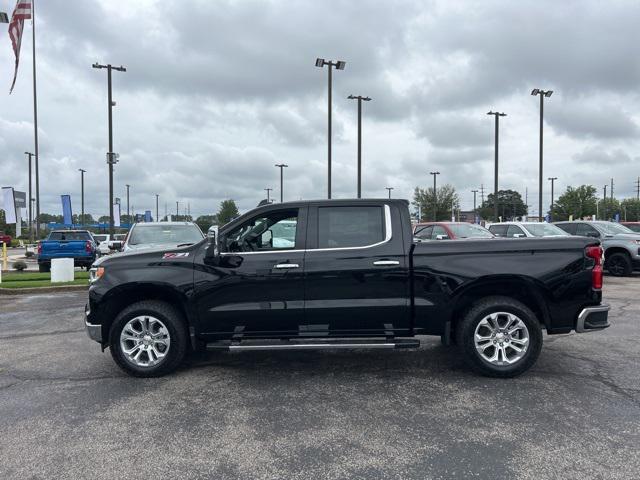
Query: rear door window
585	230
514	230
342	227
570	228
439	230
498	230
424	233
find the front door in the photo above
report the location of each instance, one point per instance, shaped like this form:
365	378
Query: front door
357	281
255	286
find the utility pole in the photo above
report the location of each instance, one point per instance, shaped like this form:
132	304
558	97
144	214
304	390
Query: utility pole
157	213
604	205
474	204
542	93
339	65
177	211
611	191
497	116
482	193
389	190
435	196
282	166
553	179
81	195
112	157
360	99
30	155
127	185
268	194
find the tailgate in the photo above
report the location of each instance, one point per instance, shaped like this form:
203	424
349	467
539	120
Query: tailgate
64	249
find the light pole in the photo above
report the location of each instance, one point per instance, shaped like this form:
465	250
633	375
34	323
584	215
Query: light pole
127	185
435	197
177	211
552	179
360	99
282	166
81	195
30	155
268	194
495	179
111	156
474	205
339	65
542	93
604	203
157	211
389	190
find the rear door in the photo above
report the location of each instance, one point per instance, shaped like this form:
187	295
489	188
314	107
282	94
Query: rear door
356	271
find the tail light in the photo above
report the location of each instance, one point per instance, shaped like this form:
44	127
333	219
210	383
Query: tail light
595	252
88	246
39	248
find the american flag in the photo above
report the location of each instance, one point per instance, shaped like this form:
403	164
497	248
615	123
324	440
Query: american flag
21	13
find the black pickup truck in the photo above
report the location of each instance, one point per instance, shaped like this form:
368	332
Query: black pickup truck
343	274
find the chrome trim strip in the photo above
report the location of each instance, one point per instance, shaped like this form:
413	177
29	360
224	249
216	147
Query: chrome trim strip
311	346
385	263
286	265
585	313
387	238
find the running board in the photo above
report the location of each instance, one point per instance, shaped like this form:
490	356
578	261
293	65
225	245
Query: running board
317	345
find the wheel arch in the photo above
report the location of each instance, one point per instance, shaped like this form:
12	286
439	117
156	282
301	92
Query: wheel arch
611	250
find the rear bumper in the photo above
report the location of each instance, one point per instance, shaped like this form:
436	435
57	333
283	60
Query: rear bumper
93	331
593	318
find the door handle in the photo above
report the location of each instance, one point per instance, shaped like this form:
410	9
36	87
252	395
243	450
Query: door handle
286	265
386	263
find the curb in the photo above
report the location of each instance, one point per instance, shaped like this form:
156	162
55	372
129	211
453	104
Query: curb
26	291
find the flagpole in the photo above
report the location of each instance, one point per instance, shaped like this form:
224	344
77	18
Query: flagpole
35	116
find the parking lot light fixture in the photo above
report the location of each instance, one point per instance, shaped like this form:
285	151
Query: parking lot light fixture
30	155
389	190
339	65
81	222
157	212
542	94
435	196
360	99
552	179
475	192
497	116
268	190
281	166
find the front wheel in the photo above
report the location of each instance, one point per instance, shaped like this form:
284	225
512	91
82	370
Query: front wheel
148	339
500	337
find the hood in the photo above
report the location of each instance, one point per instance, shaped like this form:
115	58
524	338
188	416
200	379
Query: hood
145	250
624	236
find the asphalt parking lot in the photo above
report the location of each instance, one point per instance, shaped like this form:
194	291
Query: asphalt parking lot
67	412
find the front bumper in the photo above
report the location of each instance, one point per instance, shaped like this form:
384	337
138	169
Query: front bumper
593	318
93	331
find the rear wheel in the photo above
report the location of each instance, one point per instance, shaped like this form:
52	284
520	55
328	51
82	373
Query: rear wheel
148	339
619	265
500	337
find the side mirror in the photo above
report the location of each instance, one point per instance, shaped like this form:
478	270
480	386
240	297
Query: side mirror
518	235
442	237
212	247
115	246
267	238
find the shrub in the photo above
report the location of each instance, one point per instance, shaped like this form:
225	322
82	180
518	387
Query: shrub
19	265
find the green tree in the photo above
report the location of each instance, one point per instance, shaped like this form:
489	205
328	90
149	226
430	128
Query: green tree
510	206
228	211
48	218
631	209
576	203
104	219
205	221
608	208
444	198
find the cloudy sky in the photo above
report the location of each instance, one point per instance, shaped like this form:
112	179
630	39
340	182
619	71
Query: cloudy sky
217	92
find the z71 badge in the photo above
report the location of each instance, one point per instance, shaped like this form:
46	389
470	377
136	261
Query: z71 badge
176	255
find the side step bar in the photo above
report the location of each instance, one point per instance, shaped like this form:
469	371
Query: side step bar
314	345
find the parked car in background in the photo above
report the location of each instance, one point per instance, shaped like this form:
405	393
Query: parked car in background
621	245
161	235
449	231
102	243
76	244
633	226
115	244
6	239
525	229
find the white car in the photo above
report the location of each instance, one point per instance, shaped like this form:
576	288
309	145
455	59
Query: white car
162	234
525	229
102	242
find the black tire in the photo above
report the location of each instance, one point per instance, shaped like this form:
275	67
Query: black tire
619	265
177	332
466	329
44	267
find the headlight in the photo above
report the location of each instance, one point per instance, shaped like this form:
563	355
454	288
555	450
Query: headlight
95	274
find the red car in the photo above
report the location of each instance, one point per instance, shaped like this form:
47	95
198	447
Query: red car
4	238
635	226
449	231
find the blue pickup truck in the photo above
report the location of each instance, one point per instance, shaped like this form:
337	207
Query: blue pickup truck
77	244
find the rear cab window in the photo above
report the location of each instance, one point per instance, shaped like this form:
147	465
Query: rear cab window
69	236
350	226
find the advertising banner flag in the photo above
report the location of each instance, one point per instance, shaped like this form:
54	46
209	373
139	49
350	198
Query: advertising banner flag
67	214
116	214
20	199
147	215
9	205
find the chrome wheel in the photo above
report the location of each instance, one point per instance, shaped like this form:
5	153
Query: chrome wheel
501	338
145	341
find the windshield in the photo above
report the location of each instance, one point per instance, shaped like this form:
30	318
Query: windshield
544	230
165	234
100	238
470	230
634	227
611	228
